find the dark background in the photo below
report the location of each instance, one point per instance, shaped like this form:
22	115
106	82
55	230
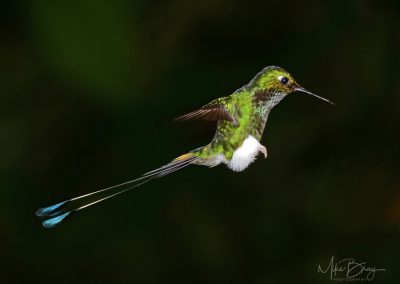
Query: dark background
89	89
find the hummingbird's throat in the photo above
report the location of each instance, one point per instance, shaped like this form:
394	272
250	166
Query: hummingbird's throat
277	97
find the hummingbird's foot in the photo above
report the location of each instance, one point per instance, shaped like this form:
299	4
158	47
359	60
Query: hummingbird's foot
264	151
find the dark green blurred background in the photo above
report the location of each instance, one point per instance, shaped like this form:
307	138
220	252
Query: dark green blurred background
89	89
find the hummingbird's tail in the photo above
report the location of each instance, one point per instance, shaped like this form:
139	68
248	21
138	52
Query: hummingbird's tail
55	214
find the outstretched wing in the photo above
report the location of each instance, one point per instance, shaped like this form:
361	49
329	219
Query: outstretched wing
214	111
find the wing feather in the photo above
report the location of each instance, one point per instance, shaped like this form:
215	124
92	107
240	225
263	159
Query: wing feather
213	111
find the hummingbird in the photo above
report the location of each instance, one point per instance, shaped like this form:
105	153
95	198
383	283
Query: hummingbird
241	119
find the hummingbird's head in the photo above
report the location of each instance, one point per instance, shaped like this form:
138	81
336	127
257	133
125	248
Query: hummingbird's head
277	81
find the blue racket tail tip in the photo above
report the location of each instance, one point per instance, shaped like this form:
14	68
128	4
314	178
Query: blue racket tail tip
50	210
51	223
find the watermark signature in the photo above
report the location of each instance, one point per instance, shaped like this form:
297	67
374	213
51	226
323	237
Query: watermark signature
348	270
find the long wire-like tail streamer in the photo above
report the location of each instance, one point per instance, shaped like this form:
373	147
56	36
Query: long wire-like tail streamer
55	214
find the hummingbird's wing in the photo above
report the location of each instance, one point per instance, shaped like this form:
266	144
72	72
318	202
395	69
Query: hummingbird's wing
213	111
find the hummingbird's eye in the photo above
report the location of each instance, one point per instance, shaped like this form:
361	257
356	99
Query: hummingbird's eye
284	80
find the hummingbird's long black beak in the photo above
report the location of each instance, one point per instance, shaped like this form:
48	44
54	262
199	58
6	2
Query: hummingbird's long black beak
301	89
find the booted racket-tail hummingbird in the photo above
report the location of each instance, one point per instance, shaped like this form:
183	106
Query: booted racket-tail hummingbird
241	119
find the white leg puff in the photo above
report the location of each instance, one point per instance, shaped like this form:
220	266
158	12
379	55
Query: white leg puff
246	154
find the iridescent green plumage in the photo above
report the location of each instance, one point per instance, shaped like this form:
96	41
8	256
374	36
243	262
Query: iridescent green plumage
241	121
250	107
